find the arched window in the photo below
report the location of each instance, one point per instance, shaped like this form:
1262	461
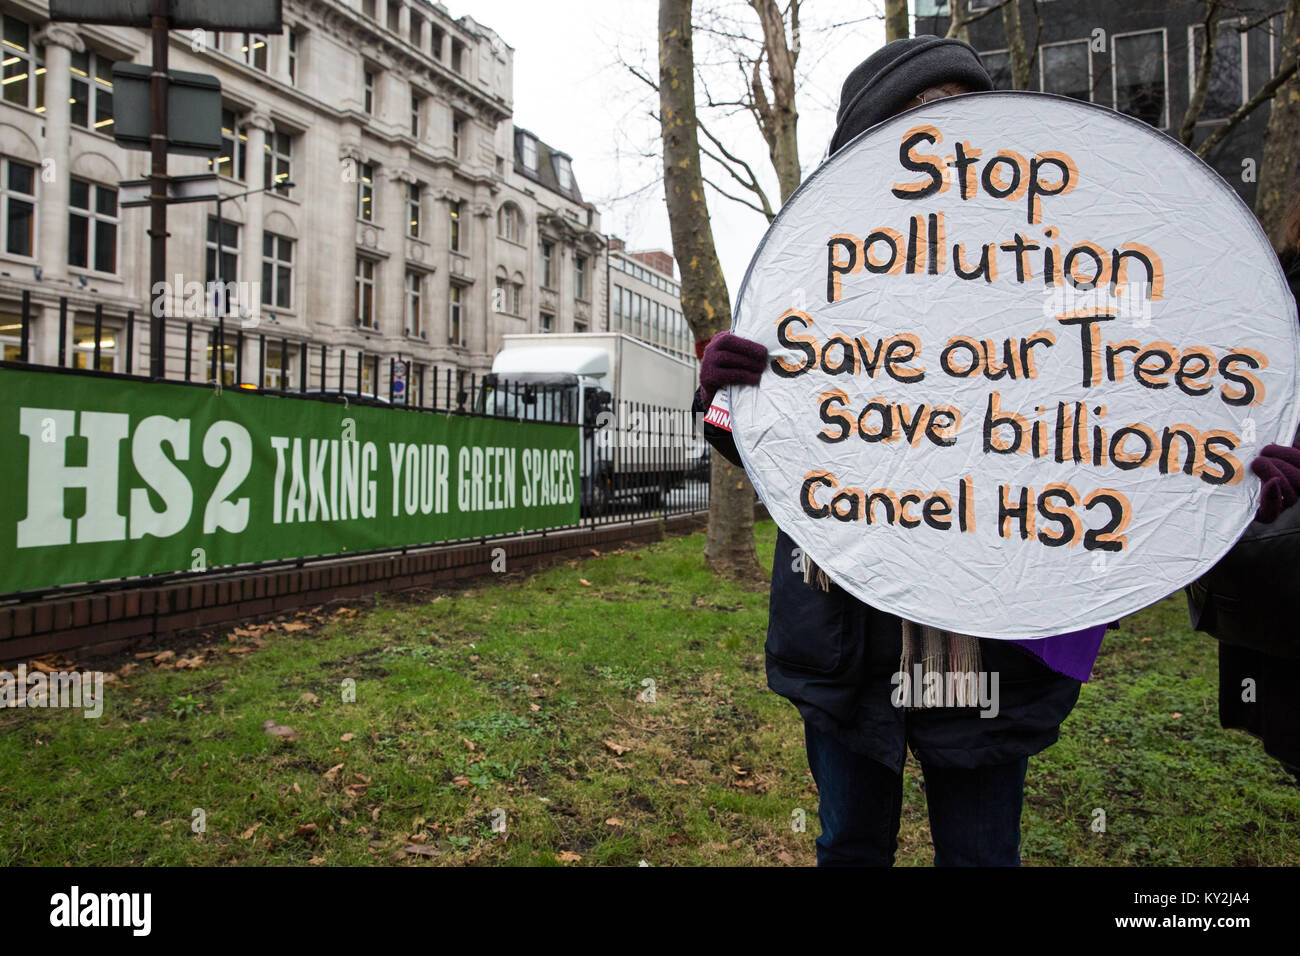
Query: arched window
509	222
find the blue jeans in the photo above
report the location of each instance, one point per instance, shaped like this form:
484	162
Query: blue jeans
974	813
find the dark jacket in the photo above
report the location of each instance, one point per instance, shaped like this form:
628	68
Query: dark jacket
834	657
1273	713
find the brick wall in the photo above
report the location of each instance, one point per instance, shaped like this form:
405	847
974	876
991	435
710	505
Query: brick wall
87	625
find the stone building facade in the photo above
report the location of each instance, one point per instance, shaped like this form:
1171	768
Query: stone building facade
414	226
645	299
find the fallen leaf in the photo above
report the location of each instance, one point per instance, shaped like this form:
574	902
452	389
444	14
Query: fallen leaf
346	737
420	849
248	834
785	858
618	749
460	780
1175	716
283	731
568	856
534	707
584	582
307	697
295	626
333	772
307	829
613	822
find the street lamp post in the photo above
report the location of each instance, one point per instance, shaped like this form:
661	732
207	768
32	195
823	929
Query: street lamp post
220	364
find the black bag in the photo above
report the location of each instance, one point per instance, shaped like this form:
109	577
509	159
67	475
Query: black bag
1251	598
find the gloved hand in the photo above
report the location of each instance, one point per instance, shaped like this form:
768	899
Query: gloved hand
1278	467
730	360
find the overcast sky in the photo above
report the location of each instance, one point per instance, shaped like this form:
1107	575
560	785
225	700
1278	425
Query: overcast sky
570	89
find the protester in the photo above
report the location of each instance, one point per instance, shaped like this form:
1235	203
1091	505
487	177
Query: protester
1248	600
835	657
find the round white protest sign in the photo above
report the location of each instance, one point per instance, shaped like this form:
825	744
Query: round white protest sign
1022	351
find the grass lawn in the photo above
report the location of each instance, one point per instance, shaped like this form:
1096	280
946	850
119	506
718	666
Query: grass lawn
517	702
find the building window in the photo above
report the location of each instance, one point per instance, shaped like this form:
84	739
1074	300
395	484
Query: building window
435	42
579	326
508	222
277	270
457	134
998	65
1066	68
24	66
83	346
528	149
517	297
254	49
1226	90
368	8
234	149
457	55
414	291
548	255
1138	66
277	165
11	341
563	172
91	93
292	39
417	30
454	316
547	321
18	207
276	366
92	226
413	192
417	110
368	92
617	308
227	358
365	286
454	212
229	260
580	277
366	192
394	16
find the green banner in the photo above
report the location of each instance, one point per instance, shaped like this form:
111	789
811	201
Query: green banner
108	478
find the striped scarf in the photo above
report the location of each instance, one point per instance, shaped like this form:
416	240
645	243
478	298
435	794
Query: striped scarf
937	651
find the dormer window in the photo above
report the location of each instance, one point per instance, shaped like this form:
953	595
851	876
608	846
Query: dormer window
528	148
563	172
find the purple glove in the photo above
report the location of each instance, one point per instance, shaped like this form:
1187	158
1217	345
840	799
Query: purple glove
730	360
1278	468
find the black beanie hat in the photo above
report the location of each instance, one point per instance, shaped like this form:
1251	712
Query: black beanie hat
896	74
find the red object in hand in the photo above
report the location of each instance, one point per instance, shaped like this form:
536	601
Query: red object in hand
1278	468
730	360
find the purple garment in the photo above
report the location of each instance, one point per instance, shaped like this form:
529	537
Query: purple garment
1071	654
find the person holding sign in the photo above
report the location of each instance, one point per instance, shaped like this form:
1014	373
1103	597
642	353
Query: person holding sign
869	684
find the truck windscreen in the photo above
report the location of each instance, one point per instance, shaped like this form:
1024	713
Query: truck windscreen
531	401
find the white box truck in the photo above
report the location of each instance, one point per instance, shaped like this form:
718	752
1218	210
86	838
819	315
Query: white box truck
632	400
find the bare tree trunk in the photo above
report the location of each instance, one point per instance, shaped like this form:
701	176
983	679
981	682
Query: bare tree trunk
958	25
897	25
1279	168
1209	36
730	541
777	118
1016	50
